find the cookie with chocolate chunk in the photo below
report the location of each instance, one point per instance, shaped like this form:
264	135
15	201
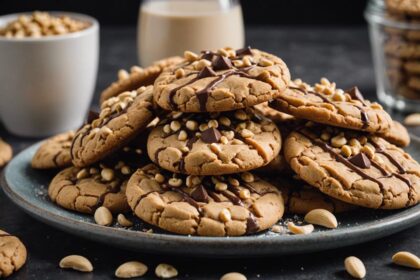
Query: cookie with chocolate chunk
12	254
326	104
357	168
120	120
208	206
137	77
221	81
54	152
6	153
300	198
213	143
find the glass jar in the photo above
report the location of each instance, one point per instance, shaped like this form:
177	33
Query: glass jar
395	42
170	27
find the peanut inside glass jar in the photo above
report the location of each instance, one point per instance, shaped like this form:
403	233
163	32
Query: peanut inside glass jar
395	42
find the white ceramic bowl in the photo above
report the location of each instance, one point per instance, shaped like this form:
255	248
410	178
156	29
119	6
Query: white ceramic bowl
47	83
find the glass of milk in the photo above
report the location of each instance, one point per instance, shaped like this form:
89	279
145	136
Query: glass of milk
169	27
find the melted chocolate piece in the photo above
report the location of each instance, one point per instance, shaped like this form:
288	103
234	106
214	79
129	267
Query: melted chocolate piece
211	135
208	55
191	141
379	150
92	115
251	224
206	72
200	194
355	93
360	160
221	63
202	97
244	51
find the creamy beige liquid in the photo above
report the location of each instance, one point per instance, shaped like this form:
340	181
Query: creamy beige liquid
168	28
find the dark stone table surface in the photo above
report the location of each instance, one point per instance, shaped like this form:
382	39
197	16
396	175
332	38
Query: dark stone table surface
342	55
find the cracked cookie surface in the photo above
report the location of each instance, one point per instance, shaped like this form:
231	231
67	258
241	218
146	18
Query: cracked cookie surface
209	206
12	254
120	120
300	198
222	81
213	143
137	77
360	169
54	152
326	104
6	153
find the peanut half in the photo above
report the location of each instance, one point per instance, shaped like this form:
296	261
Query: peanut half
300	229
76	262
123	221
233	276
103	216
412	120
166	271
406	259
131	269
321	217
355	267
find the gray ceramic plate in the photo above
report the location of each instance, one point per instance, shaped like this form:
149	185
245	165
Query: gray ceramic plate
28	189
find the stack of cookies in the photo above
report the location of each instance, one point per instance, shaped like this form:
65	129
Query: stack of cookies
223	143
402	47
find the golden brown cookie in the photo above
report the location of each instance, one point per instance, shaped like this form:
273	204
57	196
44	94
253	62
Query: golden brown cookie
209	206
300	198
214	143
6	153
54	152
397	135
12	254
273	114
137	77
121	119
404	7
85	189
222	81
360	169
326	104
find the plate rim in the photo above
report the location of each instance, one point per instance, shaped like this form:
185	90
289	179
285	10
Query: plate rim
322	240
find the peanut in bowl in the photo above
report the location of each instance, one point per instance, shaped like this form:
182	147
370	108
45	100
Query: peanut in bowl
47	81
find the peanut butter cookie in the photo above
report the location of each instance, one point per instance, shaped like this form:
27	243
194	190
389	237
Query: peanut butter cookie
221	81
214	143
357	168
54	152
404	7
300	198
137	77
209	206
397	135
326	104
12	254
120	120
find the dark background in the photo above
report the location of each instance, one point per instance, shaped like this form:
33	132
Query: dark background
256	12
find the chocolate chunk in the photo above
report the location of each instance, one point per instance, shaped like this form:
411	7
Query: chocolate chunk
92	115
251	224
191	141
356	94
244	51
221	63
360	160
206	72
200	194
208	55
211	135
